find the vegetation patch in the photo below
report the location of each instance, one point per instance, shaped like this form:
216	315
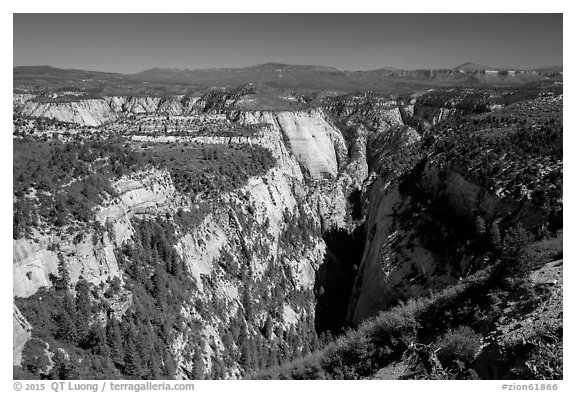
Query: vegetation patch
85	337
208	170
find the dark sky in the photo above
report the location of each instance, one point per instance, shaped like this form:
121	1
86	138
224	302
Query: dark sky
131	43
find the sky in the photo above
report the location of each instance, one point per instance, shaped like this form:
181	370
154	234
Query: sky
130	43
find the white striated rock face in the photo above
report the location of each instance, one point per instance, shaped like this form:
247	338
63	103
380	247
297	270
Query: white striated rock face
201	247
248	228
92	258
148	191
319	148
31	266
33	262
310	139
142	104
95	262
21	333
97	111
271	196
316	144
90	112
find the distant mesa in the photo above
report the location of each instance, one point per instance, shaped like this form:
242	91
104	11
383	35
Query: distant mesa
473	67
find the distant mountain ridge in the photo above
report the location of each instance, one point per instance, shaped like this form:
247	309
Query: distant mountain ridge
290	76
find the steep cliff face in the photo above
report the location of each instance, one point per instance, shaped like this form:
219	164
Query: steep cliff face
249	232
423	215
98	111
403	256
308	141
374	112
353	218
92	257
468	199
261	242
32	264
397	263
21	333
309	138
91	112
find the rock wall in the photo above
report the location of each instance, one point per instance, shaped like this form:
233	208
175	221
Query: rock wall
92	258
32	264
318	166
249	225
21	333
91	112
308	141
98	111
468	199
309	138
396	264
399	260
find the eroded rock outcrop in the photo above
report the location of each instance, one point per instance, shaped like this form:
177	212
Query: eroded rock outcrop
309	137
396	264
91	112
32	265
252	225
21	331
95	112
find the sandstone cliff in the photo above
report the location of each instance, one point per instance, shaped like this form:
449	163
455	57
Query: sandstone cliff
348	172
253	225
98	111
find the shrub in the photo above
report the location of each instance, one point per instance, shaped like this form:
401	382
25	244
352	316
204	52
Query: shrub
34	358
545	361
458	345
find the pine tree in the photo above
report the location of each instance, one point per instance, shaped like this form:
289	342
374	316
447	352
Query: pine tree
198	370
154	367
495	238
98	340
83	313
66	320
114	340
63	282
132	359
243	344
169	365
217	369
314	344
273	359
268	326
34	357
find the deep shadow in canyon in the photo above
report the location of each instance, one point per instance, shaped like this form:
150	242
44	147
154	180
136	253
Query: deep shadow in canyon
335	277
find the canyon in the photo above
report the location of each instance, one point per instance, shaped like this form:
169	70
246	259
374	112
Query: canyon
360	212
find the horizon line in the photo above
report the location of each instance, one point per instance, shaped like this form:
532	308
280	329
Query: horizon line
490	68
